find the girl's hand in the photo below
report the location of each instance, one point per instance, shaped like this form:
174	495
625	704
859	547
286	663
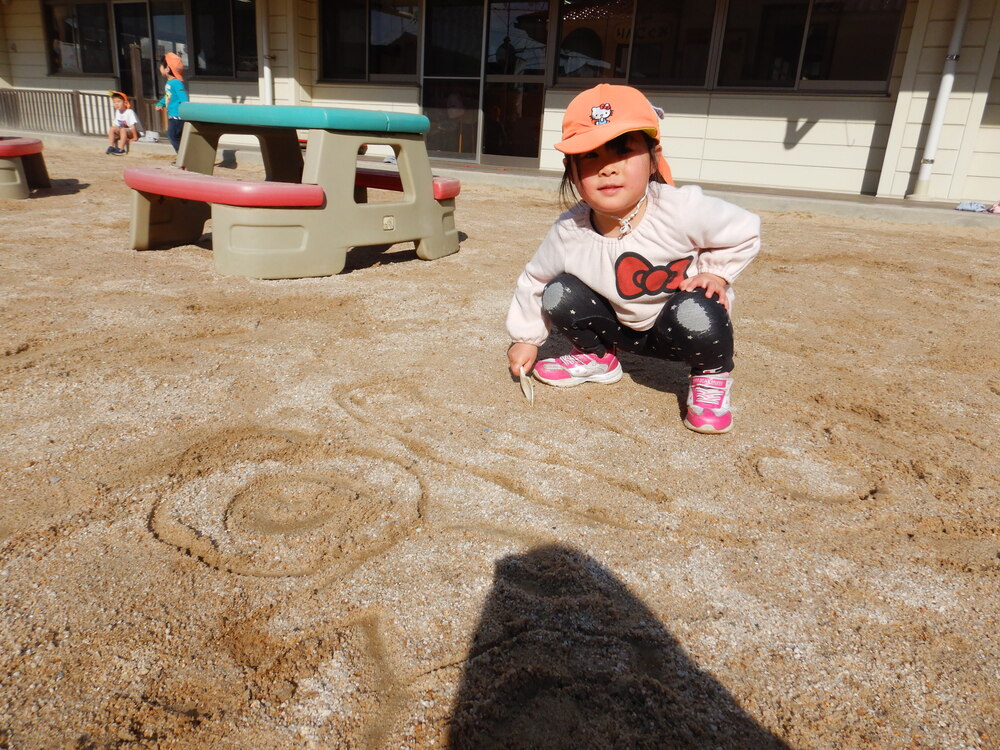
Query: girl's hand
521	355
712	284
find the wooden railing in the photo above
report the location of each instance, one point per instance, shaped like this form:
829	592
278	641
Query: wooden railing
75	112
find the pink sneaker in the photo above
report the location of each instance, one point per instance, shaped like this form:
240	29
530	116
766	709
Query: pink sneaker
708	403
578	367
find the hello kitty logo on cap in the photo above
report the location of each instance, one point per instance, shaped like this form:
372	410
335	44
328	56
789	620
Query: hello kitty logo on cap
601	113
619	109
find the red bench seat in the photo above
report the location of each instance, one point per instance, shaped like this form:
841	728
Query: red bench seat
11	147
383	179
22	167
178	183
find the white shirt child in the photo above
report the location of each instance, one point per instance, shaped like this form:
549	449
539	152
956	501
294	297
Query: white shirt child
125	119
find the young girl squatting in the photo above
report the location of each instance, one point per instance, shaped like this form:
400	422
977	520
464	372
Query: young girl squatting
636	265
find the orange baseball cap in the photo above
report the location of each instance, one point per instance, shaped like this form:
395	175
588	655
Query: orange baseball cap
605	112
175	64
122	95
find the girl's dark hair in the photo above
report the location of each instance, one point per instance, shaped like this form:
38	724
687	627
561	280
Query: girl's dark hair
567	191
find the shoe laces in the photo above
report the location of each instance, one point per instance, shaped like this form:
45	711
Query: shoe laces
707	395
573	358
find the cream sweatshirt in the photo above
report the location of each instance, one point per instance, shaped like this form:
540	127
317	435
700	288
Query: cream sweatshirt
683	232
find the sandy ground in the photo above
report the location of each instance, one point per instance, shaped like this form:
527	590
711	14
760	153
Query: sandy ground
318	513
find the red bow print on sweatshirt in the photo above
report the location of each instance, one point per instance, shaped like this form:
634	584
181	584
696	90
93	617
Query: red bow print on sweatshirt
636	276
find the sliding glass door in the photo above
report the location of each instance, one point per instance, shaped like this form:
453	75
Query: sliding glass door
484	65
513	92
453	61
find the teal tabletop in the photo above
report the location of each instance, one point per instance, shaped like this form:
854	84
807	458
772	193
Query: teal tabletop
306	118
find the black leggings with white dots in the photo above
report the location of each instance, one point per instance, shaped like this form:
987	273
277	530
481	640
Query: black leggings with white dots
691	327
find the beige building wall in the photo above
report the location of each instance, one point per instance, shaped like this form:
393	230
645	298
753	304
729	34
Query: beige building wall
293	40
5	75
801	143
28	60
847	144
783	141
922	75
983	179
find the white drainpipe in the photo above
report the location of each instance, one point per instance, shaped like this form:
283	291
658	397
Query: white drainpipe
265	51
941	103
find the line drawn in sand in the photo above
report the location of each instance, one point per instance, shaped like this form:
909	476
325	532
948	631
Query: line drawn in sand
436	431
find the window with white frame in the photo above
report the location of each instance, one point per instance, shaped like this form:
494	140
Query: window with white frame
369	40
79	37
797	45
225	38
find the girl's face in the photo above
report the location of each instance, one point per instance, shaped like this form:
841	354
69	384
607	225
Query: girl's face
164	70
613	178
119	104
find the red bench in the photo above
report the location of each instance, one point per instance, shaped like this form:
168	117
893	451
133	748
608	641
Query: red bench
383	179
192	186
22	167
170	206
269	229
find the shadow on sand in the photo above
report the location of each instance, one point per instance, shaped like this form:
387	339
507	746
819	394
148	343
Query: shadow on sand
566	657
367	256
69	186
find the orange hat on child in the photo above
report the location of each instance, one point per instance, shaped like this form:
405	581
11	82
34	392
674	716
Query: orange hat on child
124	96
175	64
605	112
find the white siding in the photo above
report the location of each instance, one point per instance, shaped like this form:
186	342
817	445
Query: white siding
919	88
983	179
794	142
848	144
29	68
5	74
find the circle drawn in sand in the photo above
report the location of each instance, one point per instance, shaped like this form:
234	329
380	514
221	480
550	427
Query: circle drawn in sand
287	505
270	518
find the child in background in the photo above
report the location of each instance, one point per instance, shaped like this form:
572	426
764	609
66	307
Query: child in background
174	94
636	265
124	127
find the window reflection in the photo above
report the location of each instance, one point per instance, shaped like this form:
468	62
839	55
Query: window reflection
671	44
344	36
838	30
79	37
512	113
453	109
169	34
454	38
594	38
225	38
213	41
132	30
517	35
762	43
394	28
95	37
245	39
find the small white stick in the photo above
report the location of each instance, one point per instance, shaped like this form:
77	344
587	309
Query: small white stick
527	388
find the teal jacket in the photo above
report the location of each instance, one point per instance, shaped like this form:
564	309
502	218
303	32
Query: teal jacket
174	95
